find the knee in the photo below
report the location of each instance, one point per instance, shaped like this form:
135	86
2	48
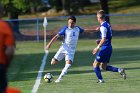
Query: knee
68	62
54	61
96	64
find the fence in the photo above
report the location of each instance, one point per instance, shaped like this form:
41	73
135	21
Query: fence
32	29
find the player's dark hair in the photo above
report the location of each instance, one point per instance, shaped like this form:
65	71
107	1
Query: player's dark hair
72	18
101	13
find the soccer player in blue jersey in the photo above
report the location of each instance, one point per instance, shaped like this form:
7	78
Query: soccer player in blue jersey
104	49
67	49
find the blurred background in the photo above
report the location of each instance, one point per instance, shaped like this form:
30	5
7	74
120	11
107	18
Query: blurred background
26	16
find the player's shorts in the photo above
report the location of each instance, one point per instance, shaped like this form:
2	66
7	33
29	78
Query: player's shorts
62	53
104	54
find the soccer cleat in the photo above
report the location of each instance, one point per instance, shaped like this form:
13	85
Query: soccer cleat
122	73
100	81
58	80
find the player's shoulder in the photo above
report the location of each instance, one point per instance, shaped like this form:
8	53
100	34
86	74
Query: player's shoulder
80	29
105	24
7	28
64	27
62	30
3	23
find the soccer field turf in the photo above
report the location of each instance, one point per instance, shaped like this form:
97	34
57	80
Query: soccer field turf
80	77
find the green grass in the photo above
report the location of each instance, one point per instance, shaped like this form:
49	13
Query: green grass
80	78
124	6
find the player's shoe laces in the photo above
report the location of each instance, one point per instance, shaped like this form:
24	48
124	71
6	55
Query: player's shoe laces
122	73
58	80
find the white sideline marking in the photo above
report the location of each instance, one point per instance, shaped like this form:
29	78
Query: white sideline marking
39	76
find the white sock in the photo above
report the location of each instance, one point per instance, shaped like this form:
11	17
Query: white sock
119	70
64	71
100	80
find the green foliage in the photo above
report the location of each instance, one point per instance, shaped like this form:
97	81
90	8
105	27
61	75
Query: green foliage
22	5
124	6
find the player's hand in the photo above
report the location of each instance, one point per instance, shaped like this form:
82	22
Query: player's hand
95	50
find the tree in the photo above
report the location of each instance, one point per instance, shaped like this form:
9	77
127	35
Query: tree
14	7
73	6
12	12
104	6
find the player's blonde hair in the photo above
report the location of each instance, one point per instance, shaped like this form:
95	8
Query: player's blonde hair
101	13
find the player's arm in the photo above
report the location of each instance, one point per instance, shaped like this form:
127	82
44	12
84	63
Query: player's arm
96	29
9	53
52	40
103	31
60	33
9	43
101	42
99	45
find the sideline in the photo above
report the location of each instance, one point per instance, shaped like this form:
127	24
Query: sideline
39	76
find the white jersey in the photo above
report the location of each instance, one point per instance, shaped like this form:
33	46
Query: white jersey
71	36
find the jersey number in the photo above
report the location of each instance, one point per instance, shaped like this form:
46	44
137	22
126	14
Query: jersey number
73	33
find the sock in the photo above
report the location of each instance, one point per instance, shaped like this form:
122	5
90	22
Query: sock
111	68
119	70
64	71
98	73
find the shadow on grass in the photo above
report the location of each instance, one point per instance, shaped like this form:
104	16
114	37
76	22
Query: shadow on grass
25	67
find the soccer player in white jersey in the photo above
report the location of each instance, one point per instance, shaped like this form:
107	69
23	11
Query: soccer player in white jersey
67	49
104	49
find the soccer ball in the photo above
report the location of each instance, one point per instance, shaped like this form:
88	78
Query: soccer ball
48	77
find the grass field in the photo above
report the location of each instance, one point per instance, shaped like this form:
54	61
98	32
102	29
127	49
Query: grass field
80	78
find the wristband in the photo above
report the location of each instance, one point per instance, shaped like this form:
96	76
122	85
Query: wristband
98	47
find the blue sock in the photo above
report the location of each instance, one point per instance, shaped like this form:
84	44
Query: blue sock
111	68
98	72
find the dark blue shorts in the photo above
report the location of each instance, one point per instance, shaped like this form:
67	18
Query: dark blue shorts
104	54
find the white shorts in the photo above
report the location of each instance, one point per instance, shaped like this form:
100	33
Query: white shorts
63	53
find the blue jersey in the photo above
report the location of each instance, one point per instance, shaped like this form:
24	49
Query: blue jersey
105	52
108	34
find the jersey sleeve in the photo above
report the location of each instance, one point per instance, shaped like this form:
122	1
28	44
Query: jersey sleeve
62	31
81	29
9	41
103	31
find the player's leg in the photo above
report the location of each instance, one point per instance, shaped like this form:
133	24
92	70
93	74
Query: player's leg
58	56
97	71
114	69
107	67
69	60
64	70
